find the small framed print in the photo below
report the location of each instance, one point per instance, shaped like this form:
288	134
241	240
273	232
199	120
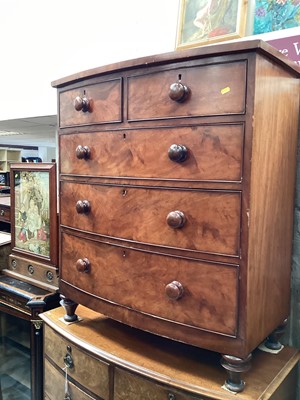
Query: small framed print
203	22
34	211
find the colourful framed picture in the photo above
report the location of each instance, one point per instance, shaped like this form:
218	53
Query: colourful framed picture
274	15
34	211
203	22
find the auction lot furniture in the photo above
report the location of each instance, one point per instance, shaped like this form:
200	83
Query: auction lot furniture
177	176
103	359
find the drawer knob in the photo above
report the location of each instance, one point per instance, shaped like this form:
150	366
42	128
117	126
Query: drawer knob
83	265
83	152
83	207
176	219
178	92
177	153
174	290
2	212
82	104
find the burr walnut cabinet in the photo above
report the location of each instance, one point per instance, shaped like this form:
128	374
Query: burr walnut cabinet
98	358
177	177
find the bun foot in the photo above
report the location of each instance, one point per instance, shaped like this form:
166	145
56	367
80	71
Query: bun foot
272	341
235	367
70	307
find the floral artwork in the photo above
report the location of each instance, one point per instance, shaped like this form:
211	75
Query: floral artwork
274	15
32	212
205	21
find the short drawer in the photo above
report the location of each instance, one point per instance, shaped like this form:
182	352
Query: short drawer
129	386
215	89
91	373
197	220
95	104
198	153
54	385
202	295
5	213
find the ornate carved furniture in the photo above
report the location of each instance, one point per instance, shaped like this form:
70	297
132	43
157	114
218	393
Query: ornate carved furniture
177	177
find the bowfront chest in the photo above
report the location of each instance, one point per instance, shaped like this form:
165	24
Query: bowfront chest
177	177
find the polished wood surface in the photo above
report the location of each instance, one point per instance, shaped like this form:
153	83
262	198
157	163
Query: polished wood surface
192	182
144	364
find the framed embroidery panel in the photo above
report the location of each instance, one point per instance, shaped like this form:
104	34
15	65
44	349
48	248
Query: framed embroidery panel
34	220
202	22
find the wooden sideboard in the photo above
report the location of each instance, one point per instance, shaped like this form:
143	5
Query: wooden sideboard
107	360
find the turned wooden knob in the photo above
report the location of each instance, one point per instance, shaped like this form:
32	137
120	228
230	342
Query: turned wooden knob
83	207
178	92
83	265
83	152
176	219
82	104
177	153
174	290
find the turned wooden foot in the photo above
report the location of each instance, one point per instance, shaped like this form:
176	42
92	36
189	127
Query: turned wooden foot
272	341
235	367
70	307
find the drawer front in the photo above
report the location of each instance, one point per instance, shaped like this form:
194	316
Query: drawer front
4	213
205	296
54	385
201	153
210	219
129	386
104	101
88	371
215	89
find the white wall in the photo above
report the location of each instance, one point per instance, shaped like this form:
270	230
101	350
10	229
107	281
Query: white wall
44	40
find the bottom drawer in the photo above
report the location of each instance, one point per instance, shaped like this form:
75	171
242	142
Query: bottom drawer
54	386
129	386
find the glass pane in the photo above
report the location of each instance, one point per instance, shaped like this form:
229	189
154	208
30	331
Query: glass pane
15	363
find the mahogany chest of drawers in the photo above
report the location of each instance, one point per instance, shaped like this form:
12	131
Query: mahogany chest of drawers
177	177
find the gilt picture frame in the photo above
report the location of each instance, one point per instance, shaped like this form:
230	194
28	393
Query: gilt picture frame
203	22
34	220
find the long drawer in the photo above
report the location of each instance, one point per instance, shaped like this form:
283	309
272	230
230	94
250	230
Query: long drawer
198	220
188	292
205	152
91	373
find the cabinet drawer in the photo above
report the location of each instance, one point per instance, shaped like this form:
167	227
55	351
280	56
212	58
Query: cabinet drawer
129	386
205	298
212	152
210	219
54	385
104	104
215	89
88	371
4	213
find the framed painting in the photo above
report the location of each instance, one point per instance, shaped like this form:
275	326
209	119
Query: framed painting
274	15
34	211
203	22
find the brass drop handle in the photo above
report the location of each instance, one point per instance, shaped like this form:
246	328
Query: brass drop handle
174	290
68	360
178	153
178	92
83	207
176	219
2	212
83	152
83	265
82	104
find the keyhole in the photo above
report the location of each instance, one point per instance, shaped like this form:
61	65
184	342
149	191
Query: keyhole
124	192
